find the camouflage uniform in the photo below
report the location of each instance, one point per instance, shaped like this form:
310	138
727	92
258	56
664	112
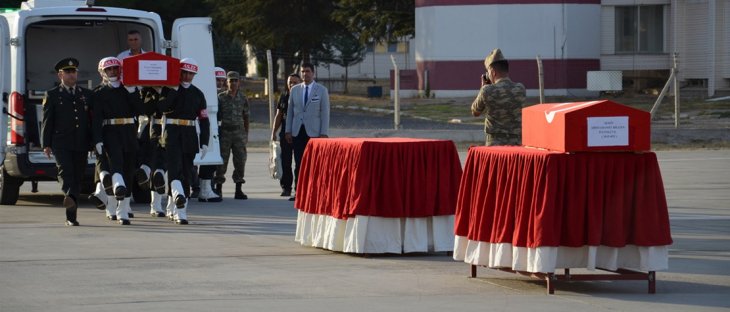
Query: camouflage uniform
501	103
233	134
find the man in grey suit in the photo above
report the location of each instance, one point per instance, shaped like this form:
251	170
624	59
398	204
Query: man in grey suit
308	115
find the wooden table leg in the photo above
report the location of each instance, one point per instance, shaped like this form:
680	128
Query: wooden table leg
473	270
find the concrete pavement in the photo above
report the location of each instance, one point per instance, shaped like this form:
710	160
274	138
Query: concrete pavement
240	256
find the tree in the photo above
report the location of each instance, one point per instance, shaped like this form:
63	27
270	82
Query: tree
345	49
378	20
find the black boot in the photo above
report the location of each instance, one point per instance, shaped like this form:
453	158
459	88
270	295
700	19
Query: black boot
218	189
239	193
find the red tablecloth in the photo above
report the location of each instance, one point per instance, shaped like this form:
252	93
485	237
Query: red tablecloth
386	177
533	198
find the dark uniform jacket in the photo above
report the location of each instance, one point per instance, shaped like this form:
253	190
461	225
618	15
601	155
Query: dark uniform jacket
109	103
66	120
188	104
150	109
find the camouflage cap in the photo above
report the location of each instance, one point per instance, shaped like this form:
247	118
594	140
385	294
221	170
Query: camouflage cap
233	75
495	56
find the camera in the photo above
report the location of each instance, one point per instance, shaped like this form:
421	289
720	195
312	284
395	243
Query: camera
485	79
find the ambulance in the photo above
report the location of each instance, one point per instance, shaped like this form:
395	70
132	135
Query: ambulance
40	33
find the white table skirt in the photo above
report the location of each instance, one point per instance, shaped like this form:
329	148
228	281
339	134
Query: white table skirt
547	259
367	234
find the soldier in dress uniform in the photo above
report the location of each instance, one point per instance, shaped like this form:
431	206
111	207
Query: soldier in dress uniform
233	118
66	134
501	101
114	130
152	159
207	172
181	106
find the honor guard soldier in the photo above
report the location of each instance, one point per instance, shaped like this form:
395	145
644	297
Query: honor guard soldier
233	118
66	134
207	171
180	139
114	130
151	156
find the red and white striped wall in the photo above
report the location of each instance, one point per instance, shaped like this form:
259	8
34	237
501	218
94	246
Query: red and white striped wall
453	38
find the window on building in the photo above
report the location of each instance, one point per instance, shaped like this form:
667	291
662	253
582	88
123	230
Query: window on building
640	29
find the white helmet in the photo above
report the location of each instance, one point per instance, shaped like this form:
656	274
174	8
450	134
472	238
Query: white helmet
109	61
220	73
188	64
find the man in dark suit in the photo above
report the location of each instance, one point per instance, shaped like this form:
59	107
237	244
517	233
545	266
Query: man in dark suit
308	115
66	134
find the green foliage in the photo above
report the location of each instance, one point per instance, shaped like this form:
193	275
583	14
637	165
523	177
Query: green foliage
378	20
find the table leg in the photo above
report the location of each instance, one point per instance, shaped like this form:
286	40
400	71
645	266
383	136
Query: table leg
550	279
473	271
652	282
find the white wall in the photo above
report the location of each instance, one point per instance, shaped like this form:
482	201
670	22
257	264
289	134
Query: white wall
553	31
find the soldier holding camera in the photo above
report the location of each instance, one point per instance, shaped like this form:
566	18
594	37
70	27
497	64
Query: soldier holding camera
501	101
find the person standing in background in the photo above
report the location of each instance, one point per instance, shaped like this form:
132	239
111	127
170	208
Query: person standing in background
501	101
308	115
233	119
287	178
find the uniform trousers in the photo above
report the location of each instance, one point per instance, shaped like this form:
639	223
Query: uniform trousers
287	178
232	141
179	167
300	143
71	166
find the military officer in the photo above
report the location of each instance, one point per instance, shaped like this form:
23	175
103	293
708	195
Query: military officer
114	130
180	139
501	100
233	116
65	132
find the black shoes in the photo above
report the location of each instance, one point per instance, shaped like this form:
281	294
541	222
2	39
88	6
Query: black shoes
112	218
97	202
158	182
180	201
124	222
292	198
181	221
142	179
120	192
158	214
239	194
72	223
107	183
286	193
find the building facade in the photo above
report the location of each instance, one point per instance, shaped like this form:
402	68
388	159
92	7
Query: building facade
571	37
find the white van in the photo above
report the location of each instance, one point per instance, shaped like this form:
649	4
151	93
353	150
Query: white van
41	32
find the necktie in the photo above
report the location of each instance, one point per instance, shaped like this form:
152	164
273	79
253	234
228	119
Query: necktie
306	94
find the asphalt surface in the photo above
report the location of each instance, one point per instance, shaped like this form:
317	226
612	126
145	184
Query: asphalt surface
240	256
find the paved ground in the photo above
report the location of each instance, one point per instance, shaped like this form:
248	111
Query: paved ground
240	256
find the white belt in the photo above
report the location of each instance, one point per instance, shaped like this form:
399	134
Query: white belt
117	121
180	122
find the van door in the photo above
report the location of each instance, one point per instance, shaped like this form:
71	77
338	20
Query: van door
4	83
192	37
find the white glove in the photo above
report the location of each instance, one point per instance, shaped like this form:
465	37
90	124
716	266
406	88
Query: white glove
203	151
98	148
158	89
131	89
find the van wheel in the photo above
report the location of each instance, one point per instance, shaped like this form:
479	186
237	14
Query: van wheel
140	196
9	188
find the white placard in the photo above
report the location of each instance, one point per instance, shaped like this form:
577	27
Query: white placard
152	70
608	131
